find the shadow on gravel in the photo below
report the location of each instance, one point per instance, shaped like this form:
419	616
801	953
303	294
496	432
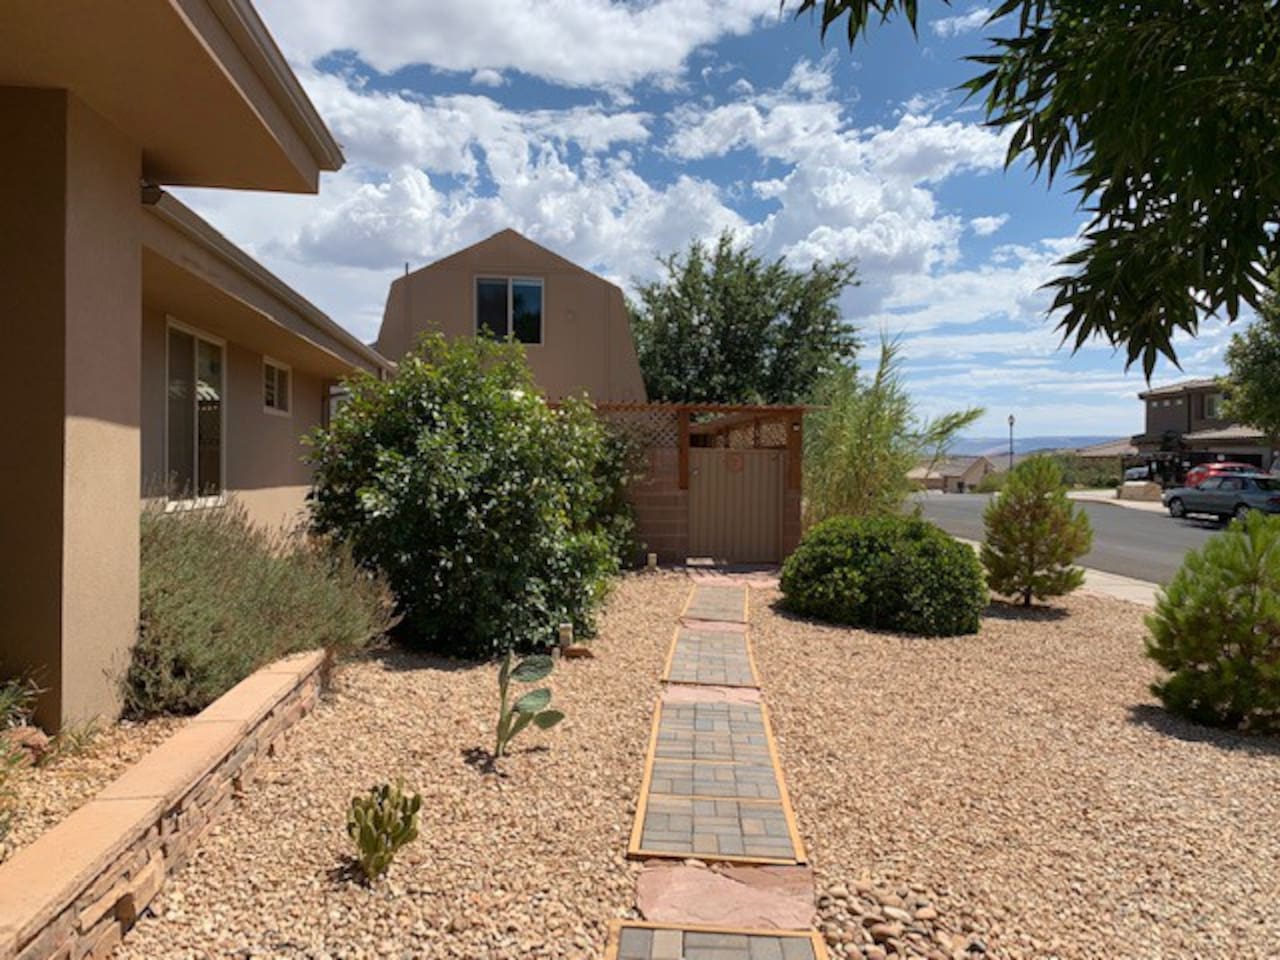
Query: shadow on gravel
483	762
395	657
347	870
1015	612
1161	721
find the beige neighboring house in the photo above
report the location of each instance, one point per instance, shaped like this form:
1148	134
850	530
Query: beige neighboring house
147	354
952	474
573	324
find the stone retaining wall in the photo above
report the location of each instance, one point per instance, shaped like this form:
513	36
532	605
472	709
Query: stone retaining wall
76	890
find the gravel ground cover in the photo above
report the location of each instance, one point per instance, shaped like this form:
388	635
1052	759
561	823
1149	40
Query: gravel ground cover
1018	793
527	864
46	794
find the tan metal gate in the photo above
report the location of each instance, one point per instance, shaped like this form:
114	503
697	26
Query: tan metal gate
735	504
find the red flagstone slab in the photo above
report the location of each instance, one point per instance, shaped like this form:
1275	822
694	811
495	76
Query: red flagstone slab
750	897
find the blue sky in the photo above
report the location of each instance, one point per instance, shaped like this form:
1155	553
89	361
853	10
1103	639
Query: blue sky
614	132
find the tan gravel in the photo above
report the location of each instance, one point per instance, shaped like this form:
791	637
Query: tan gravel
46	794
524	865
1025	786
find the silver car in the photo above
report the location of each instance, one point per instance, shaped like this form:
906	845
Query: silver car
1226	496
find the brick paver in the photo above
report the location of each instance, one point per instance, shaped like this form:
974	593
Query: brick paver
711	658
718	602
714	790
669	943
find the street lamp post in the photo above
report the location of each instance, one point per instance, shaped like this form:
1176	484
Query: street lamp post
1011	442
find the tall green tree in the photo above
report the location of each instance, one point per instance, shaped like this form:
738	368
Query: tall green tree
863	438
1035	534
726	326
1163	113
1253	365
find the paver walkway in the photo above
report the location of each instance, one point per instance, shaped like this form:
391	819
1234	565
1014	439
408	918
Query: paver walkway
634	941
713	792
725	603
718	658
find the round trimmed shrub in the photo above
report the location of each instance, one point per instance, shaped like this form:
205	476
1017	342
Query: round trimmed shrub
494	516
889	573
1216	629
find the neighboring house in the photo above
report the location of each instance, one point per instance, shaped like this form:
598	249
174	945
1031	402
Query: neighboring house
148	355
1185	426
1108	450
952	474
573	324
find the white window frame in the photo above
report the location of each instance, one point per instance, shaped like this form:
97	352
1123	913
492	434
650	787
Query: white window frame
1213	406
510	281
173	504
287	412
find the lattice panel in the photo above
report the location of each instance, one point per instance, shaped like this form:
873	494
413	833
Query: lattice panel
766	435
646	428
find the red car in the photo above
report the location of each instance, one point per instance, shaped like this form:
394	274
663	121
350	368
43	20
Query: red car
1199	474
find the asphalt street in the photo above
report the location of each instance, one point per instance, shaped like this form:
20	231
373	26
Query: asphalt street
1132	543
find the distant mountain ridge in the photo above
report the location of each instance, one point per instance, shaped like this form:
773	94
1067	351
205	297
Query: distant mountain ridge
995	446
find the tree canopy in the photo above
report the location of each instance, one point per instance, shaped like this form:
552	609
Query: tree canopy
1253	364
723	325
1164	114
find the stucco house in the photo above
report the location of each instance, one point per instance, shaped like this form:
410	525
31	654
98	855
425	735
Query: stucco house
1185	425
952	474
573	324
149	356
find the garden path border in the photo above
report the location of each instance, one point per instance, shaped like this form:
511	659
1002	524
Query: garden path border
78	888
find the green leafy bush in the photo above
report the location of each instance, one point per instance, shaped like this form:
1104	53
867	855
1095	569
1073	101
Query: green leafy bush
1034	533
380	823
530	708
1216	629
221	597
892	573
494	516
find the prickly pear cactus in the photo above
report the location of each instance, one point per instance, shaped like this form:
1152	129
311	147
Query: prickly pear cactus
531	708
380	823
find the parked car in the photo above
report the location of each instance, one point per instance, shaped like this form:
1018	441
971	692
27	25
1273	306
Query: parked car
1138	473
1231	495
1199	474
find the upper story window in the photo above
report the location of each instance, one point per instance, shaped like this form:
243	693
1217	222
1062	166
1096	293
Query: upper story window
277	387
1212	406
194	415
510	307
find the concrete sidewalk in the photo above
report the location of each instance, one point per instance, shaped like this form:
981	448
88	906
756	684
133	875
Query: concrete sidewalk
1100	583
1109	497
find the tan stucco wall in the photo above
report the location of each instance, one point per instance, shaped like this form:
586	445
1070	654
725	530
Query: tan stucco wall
586	335
69	266
264	463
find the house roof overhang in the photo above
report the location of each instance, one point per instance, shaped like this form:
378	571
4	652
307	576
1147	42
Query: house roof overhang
199	85
192	271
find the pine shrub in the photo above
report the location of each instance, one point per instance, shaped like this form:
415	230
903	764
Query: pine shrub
1033	534
221	597
892	573
1216	629
494	516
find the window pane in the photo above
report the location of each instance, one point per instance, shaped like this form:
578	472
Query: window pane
268	385
526	311
181	439
282	389
491	307
209	418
